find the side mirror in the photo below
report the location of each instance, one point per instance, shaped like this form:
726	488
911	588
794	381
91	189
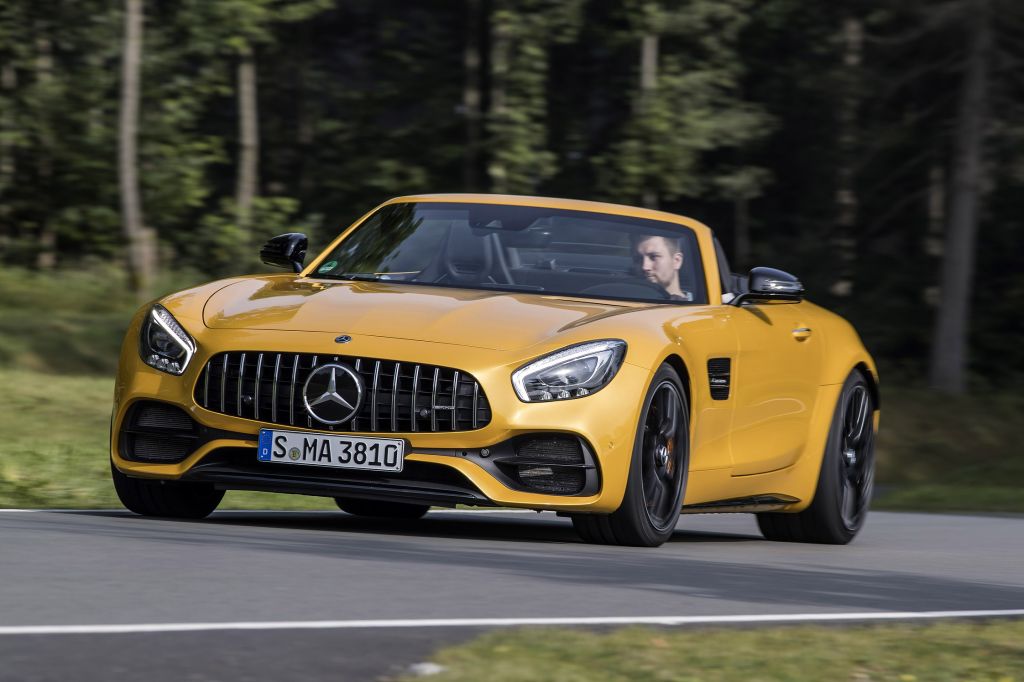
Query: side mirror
286	251
769	284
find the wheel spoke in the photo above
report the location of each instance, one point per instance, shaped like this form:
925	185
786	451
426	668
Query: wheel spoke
653	500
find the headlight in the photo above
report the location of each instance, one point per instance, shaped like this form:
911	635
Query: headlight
574	372
164	344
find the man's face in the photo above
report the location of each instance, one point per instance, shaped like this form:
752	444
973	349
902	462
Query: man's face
660	262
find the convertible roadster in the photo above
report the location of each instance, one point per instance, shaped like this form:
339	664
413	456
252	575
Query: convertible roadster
596	360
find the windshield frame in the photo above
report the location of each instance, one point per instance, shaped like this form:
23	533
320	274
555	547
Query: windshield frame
686	228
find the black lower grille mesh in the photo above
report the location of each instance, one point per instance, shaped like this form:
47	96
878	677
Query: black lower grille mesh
399	396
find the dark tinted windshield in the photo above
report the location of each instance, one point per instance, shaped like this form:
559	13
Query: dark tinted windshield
523	248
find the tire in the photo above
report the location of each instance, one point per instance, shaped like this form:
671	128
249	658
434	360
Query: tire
846	480
384	510
657	476
171	499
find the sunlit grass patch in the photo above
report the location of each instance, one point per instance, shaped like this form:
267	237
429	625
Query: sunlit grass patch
905	653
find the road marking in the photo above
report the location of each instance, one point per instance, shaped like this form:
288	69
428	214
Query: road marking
262	511
502	622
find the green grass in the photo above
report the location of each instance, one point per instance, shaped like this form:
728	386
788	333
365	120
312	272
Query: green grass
945	453
901	653
934	453
53	452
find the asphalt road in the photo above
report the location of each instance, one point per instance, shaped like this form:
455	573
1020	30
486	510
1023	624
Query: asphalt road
102	568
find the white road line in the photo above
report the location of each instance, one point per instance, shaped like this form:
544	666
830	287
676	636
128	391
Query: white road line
502	622
265	511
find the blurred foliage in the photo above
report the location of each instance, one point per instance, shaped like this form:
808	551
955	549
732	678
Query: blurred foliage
362	100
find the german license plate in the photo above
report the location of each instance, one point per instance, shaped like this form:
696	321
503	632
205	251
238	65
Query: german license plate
330	450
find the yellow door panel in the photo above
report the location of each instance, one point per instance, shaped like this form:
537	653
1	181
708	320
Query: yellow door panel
775	382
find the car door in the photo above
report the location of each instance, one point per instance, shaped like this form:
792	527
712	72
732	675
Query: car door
775	384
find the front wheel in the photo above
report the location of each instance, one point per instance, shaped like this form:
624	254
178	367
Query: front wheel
172	499
385	510
847	476
657	472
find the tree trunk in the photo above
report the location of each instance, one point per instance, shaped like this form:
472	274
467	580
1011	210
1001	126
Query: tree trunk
845	240
471	98
936	224
648	87
46	256
500	43
948	371
8	167
248	144
141	241
741	248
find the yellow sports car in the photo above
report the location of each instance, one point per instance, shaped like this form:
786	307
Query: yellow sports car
593	359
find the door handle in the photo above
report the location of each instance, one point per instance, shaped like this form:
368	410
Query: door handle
802	333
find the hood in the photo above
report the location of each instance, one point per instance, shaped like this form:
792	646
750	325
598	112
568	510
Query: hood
481	319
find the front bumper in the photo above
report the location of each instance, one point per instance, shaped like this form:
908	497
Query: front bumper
441	468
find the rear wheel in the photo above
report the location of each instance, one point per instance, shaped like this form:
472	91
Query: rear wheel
847	476
173	499
657	472
386	510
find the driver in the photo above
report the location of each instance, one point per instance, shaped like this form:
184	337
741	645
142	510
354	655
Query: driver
660	259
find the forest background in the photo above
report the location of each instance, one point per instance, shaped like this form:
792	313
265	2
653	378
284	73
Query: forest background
875	148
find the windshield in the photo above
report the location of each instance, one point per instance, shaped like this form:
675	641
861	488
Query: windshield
523	248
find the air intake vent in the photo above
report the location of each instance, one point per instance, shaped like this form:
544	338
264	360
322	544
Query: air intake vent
399	397
719	371
157	432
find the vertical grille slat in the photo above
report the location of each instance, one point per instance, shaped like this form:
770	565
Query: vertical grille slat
373	396
224	383
273	390
476	397
256	391
394	396
241	375
309	420
291	396
456	400
433	400
415	394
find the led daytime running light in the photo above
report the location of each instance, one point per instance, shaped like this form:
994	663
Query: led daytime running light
163	319
607	353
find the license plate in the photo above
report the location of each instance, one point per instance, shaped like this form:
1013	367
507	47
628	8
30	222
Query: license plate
330	450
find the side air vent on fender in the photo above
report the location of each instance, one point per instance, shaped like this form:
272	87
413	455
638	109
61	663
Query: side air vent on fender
719	370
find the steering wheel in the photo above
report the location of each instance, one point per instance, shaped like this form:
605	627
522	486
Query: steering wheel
629	289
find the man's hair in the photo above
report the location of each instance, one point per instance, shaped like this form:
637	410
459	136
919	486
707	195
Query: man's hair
674	244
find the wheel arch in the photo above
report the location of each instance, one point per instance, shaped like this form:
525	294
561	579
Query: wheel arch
872	380
679	365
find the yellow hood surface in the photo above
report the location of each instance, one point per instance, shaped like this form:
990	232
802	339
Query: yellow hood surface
481	319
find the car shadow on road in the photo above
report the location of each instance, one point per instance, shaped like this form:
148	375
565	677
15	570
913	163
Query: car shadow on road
528	528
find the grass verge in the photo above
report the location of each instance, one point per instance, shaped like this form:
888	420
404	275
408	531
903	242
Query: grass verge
992	651
53	452
936	454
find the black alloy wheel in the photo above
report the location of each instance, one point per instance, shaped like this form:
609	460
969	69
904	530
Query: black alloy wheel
847	478
171	499
383	510
657	475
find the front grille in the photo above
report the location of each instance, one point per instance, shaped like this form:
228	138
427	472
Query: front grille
400	396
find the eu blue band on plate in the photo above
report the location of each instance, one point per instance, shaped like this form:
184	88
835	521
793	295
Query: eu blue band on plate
266	442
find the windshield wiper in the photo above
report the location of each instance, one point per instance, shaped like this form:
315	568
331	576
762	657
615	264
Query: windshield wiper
358	276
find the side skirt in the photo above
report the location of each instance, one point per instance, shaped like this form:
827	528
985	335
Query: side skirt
755	503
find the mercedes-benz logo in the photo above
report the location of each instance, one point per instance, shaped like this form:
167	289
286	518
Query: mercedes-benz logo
333	393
